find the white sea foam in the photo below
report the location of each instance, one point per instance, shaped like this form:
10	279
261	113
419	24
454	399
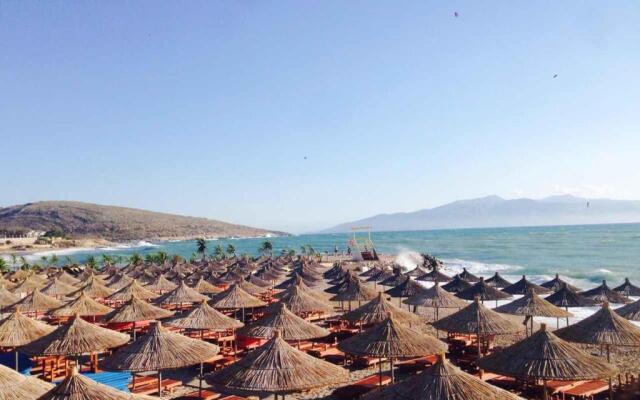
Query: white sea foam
408	259
456	265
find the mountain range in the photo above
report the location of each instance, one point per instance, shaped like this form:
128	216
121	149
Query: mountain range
85	220
495	211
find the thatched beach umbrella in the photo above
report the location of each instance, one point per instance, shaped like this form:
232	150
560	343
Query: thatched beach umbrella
205	318
57	288
291	327
7	298
604	328
95	289
442	381
79	387
566	297
523	286
161	285
603	293
483	291
436	297
236	298
136	310
628	289
18	330
531	305
468	276
378	310
251	288
278	368
456	285
180	295
132	289
7	284
545	356
119	281
630	311
206	288
83	306
497	281
406	289
15	386
36	302
354	290
160	349
76	338
67	278
301	302
434	276
391	339
557	283
478	320
29	285
259	282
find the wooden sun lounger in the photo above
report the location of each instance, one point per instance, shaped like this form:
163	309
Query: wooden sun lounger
206	395
561	386
152	387
362	386
368	361
417	363
587	389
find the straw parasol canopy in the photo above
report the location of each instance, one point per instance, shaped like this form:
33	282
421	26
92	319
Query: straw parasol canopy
259	282
160	349
95	289
67	278
468	276
276	367
603	294
392	339
300	301
477	319
442	381
354	290
251	288
83	306
523	286
497	281
204	287
630	311
181	294
235	297
135	310
436	297
7	298
378	310
119	280
290	326
29	285
565	297
628	289
407	288
15	386
35	302
456	285
605	327
434	276
79	387
133	288
557	283
57	288
18	330
483	291
76	338
532	305
7	283
545	356
205	317
161	285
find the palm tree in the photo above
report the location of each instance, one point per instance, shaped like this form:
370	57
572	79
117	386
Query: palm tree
14	261
218	252
292	253
68	261
44	260
4	267
92	262
162	257
266	248
231	250
23	263
135	259
303	250
54	260
201	247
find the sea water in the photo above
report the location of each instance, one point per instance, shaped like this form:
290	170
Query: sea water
584	254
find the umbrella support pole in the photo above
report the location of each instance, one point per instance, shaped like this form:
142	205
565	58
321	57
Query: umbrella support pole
200	381
159	384
380	371
393	377
544	390
610	380
16	360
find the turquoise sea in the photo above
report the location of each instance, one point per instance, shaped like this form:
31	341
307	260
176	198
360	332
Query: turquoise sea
587	253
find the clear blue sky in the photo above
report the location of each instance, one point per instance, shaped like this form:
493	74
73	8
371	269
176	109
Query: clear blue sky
208	108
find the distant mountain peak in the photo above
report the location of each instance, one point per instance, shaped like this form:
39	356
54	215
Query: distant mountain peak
495	211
